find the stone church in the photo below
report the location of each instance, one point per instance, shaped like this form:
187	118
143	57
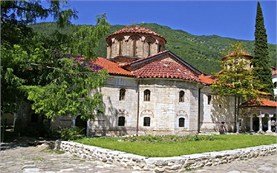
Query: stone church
151	90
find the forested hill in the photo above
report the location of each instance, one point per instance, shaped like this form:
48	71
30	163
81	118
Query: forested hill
203	52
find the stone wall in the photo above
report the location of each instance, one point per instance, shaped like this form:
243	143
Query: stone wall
107	124
124	45
220	109
163	109
166	164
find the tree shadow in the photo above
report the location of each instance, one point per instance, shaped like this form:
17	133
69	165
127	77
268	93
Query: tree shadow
220	113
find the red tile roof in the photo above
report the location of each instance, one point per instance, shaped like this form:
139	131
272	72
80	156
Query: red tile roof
262	102
111	67
234	54
208	80
166	68
136	29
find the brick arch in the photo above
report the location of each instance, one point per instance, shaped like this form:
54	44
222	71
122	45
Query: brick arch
150	39
122	112
182	113
147	113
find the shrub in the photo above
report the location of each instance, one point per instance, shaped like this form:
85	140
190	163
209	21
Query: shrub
169	138
72	133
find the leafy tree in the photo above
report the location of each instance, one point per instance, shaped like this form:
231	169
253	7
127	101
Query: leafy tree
17	43
40	68
236	78
261	60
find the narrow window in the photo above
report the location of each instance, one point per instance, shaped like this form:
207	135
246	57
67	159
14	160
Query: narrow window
146	121
149	48
209	99
160	48
134	47
181	122
147	95
122	94
181	96
120	48
121	121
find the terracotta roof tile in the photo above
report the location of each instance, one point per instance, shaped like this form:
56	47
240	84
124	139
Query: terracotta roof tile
208	80
111	67
136	29
262	102
165	69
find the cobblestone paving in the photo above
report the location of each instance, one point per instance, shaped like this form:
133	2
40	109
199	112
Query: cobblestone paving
41	160
266	164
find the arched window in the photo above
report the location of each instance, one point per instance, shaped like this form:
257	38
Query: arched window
181	122
146	121
120	47
181	96
146	95
121	121
122	92
209	99
149	48
159	48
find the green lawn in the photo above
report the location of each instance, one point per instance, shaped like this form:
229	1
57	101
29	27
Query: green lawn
175	146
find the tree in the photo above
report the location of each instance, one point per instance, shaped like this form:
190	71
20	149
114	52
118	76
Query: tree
71	81
41	68
236	77
18	45
261	60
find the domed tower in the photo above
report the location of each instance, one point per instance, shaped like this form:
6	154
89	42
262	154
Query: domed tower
134	42
242	56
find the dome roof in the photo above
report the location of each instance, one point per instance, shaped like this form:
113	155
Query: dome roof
135	30
234	54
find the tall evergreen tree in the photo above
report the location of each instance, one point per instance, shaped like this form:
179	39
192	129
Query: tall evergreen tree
261	61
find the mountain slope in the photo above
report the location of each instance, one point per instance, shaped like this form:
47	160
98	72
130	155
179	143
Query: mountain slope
203	52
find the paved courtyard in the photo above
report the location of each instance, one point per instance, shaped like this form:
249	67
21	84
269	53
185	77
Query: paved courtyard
40	159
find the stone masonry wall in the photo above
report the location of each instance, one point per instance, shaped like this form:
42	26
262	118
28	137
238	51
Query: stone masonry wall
165	164
220	109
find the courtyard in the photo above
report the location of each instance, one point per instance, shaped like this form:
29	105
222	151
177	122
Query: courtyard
40	159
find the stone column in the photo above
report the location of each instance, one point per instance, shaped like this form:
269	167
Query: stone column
73	121
269	124
251	123
261	123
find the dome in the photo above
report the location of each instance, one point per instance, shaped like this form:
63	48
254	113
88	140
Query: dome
134	42
135	30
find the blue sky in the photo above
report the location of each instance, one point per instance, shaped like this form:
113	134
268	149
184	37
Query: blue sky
235	19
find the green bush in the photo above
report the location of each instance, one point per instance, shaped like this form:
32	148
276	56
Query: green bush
169	138
72	133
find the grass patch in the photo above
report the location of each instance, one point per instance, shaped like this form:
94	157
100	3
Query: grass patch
167	146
